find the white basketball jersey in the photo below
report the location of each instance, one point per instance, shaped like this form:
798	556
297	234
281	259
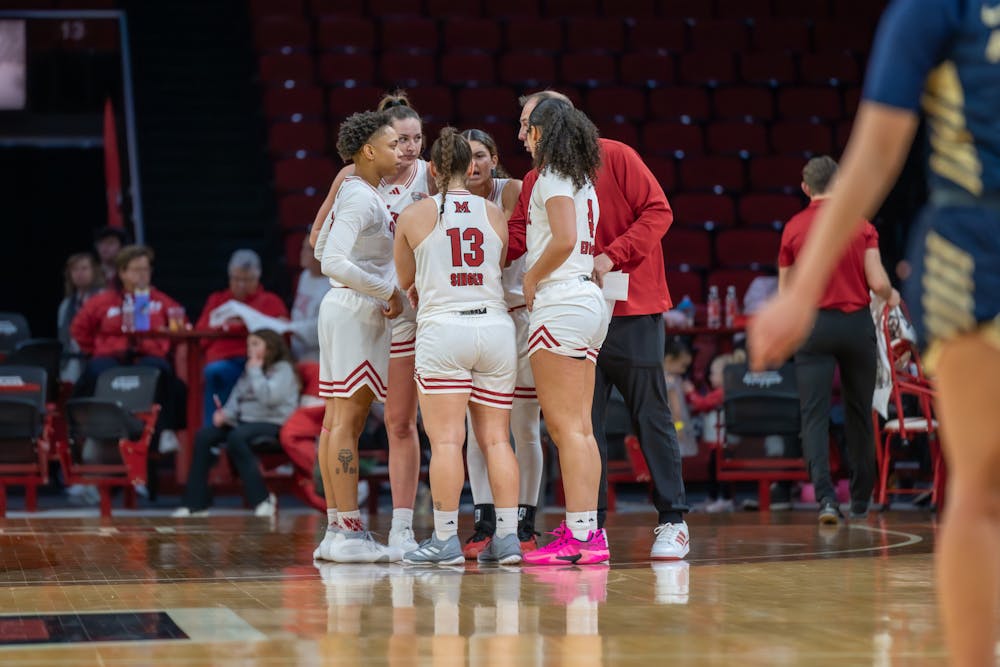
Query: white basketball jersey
581	261
458	263
401	195
513	275
361	209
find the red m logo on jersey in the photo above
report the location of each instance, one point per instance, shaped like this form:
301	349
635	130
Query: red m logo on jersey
462	207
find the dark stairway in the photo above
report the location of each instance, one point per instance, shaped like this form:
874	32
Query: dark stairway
206	179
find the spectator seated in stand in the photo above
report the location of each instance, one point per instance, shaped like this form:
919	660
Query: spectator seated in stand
224	357
713	429
83	279
677	358
264	396
108	242
99	330
309	293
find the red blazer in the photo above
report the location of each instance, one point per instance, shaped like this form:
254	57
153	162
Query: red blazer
97	327
266	302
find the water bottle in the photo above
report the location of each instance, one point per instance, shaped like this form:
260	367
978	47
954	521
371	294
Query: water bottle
128	314
686	306
714	308
732	307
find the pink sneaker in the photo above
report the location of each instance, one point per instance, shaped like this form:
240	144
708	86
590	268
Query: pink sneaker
567	550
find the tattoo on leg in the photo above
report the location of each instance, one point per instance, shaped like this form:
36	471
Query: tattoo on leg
345	456
437	505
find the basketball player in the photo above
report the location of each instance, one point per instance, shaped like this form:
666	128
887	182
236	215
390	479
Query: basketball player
569	317
943	55
354	328
452	247
411	182
488	180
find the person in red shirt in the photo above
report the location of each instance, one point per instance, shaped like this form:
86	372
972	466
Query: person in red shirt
844	337
224	357
634	216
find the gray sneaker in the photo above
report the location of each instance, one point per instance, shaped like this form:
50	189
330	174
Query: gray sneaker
504	550
433	551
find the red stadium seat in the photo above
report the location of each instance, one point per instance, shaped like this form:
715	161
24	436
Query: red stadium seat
841	133
852	97
570	8
687	247
737	9
665	138
262	8
781	35
301	101
810	103
719	34
774	210
281	67
636	9
842	36
346	33
595	34
664	170
737	248
527	69
710	210
647	69
381	8
684	283
776	173
310	175
588	69
274	33
700	173
623	132
433	102
658	35
342	102
468	68
535	35
407	70
493	103
695	9
288	139
711	67
415	35
346	68
678	102
468	34
737	138
744	102
829	68
739	278
299	211
804	9
801	138
350	8
454	8
520	9
768	68
617	103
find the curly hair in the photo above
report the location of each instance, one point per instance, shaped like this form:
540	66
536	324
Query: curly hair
451	155
357	130
569	141
397	106
486	140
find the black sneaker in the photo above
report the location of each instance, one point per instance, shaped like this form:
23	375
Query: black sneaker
829	513
859	509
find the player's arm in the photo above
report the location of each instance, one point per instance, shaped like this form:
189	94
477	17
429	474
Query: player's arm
498	220
562	222
511	193
402	250
352	216
324	209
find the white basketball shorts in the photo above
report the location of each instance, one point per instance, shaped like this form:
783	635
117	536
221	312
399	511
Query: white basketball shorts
354	338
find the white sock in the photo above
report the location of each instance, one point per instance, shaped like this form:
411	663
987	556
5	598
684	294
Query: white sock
402	518
445	524
592	518
331	516
506	521
351	521
579	523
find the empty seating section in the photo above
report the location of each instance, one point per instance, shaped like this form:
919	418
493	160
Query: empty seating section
724	99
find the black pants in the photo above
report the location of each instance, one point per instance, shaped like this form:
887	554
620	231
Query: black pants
631	360
847	341
236	441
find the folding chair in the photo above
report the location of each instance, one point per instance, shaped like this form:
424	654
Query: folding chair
13	329
44	353
109	435
25	433
909	386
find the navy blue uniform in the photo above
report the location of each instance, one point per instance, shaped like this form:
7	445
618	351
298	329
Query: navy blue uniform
943	57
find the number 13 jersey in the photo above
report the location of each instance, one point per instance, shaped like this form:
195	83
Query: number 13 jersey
458	263
581	260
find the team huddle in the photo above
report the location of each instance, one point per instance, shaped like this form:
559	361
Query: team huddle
427	303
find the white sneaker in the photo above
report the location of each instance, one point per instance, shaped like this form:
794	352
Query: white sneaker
184	513
403	540
361	547
673	582
267	508
672	541
720	505
322	552
168	442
